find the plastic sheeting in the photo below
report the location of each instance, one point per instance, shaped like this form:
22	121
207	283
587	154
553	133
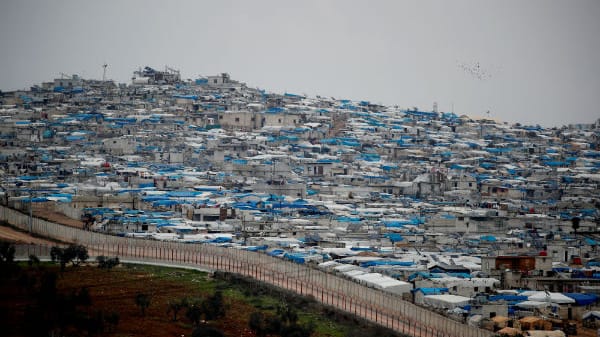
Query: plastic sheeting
543	296
446	301
583	299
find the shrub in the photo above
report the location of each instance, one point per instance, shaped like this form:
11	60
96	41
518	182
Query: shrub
33	260
207	331
142	300
75	254
7	253
106	262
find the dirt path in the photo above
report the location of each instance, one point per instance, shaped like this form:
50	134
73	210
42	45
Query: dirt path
12	235
50	214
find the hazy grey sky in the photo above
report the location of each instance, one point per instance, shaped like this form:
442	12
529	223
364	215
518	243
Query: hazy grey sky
539	61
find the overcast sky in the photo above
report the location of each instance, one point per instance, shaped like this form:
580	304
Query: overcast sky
533	62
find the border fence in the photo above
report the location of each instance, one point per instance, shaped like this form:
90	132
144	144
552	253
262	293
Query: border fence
385	309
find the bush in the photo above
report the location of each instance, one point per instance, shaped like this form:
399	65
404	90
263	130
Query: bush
142	300
75	254
207	331
175	306
285	323
8	267
7	253
194	313
213	307
257	324
33	261
106	262
112	320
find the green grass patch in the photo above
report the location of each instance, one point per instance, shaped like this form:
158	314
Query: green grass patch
241	294
323	326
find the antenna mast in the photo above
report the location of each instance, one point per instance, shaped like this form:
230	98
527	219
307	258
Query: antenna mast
104	72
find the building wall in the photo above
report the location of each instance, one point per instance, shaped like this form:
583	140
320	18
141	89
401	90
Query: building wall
281	119
543	263
490	310
317	169
519	263
218	80
243	120
451	225
461	183
119	146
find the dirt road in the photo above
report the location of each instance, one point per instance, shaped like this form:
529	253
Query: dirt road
12	235
48	213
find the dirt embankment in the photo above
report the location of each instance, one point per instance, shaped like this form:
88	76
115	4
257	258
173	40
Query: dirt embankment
12	235
48	212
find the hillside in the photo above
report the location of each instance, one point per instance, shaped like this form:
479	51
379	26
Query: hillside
25	310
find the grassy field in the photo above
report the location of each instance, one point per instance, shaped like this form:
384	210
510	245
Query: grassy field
114	292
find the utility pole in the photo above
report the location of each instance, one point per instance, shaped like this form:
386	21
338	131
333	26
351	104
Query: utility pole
244	232
30	212
30	224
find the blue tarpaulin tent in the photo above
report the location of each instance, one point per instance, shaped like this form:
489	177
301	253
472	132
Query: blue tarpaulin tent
256	248
401	223
425	275
394	237
582	299
488	238
295	257
386	263
158	203
508	298
37	199
431	291
276	252
361	249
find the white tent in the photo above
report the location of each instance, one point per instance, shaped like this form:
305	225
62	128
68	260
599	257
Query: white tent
542	296
534	304
342	268
591	314
385	283
354	272
329	264
446	301
545	333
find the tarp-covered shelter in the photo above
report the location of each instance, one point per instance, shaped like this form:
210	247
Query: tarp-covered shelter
508	331
535	304
545	333
447	301
543	296
385	283
583	299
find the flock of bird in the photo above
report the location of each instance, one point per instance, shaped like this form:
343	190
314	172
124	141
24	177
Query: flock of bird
475	70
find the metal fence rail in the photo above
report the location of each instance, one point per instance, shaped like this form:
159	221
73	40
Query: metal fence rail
383	308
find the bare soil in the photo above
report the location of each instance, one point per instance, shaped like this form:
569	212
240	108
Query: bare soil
47	212
12	235
115	291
